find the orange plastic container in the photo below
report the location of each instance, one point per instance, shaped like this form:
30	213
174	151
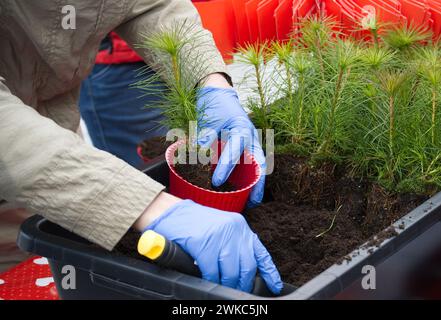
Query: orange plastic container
244	176
253	25
266	20
218	17
240	15
415	12
332	8
435	10
283	17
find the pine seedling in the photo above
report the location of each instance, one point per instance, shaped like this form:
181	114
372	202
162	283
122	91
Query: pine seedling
375	58
430	70
342	62
383	140
372	59
406	37
283	52
316	33
391	82
302	67
256	55
176	74
289	115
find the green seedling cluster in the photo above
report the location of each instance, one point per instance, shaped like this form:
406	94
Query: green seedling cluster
372	105
179	62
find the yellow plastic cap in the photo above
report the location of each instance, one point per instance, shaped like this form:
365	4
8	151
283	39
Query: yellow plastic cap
151	244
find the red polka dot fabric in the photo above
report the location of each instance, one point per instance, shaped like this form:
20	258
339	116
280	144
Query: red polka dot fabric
29	280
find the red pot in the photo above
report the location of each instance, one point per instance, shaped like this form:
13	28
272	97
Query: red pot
244	176
139	152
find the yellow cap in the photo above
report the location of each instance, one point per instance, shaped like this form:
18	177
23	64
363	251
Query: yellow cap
151	244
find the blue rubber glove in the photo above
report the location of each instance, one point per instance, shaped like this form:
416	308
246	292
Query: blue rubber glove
221	243
219	109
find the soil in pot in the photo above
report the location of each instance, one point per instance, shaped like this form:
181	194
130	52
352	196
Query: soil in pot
197	174
201	176
154	147
315	215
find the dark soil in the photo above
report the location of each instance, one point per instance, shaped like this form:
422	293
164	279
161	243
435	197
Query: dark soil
201	175
154	147
303	201
128	245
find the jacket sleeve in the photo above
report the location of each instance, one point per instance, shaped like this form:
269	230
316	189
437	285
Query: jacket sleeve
52	172
146	17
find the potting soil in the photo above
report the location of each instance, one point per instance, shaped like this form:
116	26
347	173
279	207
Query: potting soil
201	176
315	216
154	147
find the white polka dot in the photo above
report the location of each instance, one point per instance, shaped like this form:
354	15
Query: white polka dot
2	281
41	261
43	282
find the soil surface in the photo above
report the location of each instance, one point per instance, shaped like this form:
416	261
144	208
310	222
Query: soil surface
316	215
154	147
128	245
201	175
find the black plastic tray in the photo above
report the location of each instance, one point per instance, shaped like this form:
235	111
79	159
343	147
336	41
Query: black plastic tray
102	275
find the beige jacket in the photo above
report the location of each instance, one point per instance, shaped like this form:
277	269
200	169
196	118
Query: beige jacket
44	165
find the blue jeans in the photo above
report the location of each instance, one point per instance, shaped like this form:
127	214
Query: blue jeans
115	115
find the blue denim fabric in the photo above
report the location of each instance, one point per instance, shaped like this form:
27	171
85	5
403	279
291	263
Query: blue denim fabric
115	115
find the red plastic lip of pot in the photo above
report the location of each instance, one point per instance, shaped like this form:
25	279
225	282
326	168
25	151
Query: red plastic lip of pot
174	146
139	152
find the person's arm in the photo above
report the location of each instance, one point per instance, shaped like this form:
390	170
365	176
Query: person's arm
156	208
52	172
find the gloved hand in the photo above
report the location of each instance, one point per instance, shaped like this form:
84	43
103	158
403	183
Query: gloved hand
219	109
221	243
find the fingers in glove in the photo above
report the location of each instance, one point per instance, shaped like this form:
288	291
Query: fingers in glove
207	137
208	265
266	267
229	266
238	140
248	268
257	192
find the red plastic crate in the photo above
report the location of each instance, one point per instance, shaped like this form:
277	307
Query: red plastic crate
242	28
223	26
416	12
332	8
283	18
253	25
266	20
435	11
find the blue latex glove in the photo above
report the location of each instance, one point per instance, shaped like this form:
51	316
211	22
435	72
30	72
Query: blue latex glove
221	243
219	109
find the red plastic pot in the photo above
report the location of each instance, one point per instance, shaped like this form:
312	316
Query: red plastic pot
139	152
244	177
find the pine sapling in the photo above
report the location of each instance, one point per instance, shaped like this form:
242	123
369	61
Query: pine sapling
430	70
175	73
255	55
315	33
345	55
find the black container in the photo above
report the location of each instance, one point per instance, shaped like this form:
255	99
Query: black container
398	262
